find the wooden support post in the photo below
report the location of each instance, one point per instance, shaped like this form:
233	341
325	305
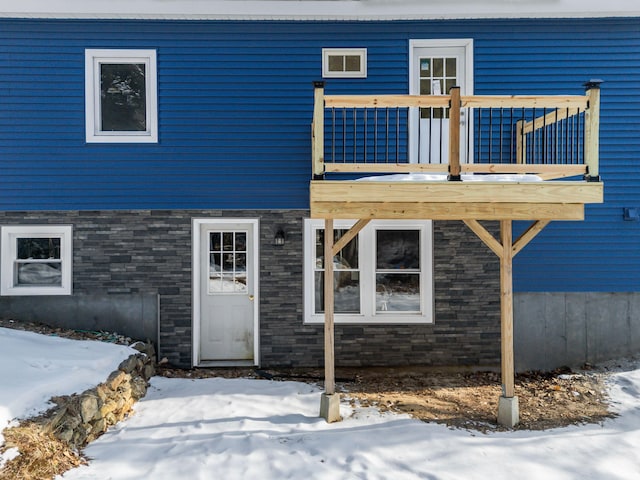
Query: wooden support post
508	413
592	131
454	134
506	304
317	133
330	401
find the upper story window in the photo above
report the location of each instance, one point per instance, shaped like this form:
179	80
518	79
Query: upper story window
383	275
36	260
344	62
121	96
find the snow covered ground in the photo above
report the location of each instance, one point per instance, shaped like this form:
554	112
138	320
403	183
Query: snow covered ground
241	429
34	368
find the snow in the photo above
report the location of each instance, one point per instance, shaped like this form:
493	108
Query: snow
35	367
244	428
441	177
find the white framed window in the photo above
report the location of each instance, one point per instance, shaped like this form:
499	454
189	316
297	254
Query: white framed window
36	260
384	275
121	100
344	62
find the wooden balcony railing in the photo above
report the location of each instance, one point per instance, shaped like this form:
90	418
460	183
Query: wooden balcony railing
551	136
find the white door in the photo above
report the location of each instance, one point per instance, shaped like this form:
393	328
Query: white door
436	66
227	286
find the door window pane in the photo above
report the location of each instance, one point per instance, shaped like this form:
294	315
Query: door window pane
228	262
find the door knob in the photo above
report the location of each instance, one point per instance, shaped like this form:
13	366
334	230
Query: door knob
251	297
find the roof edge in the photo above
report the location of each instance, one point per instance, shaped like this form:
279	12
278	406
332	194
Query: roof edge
328	10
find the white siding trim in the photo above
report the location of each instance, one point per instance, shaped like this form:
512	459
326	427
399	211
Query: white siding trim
315	9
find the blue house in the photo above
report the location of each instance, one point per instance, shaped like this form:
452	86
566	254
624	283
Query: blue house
156	160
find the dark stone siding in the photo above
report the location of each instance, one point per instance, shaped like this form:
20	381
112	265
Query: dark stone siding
147	252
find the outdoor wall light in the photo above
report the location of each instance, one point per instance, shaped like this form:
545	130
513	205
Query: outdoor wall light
279	239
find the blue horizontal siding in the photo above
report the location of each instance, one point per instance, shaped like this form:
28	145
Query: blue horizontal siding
235	105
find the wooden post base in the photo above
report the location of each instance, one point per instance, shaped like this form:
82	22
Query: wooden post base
508	411
330	407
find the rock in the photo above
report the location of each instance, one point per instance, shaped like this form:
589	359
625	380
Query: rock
115	379
88	407
129	365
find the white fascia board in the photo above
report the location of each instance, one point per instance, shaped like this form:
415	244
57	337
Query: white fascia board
316	9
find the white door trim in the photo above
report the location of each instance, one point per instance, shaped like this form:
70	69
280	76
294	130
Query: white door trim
196	264
466	43
414	86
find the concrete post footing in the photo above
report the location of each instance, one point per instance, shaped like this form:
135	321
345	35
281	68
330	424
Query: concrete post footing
330	407
508	411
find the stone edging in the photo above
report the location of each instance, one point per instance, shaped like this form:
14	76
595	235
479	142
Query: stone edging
81	418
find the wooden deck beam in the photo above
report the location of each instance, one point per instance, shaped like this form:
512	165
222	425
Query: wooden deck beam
560	192
447	211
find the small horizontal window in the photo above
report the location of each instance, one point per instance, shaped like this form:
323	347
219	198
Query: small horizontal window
344	62
36	260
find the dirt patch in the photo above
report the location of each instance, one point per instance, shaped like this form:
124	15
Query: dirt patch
458	399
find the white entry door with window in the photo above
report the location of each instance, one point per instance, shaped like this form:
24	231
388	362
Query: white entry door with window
225	294
435	67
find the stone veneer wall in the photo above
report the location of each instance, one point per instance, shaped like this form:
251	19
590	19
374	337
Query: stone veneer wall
120	254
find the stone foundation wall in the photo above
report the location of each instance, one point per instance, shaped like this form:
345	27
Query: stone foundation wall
80	419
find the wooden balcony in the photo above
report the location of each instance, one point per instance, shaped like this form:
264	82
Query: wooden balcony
499	139
470	158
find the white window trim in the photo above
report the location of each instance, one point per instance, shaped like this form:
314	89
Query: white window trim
361	52
9	254
367	254
93	59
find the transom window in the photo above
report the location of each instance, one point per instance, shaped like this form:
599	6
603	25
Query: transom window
344	62
383	275
121	96
227	262
36	260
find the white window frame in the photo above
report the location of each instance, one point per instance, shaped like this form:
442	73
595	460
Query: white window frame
367	263
343	52
96	57
9	255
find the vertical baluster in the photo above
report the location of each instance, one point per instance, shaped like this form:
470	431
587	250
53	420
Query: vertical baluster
511	136
344	134
397	133
490	134
469	133
375	135
366	113
543	137
333	134
533	139
419	155
387	136
355	135
501	160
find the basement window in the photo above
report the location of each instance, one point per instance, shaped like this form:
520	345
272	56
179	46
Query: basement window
344	62
36	260
121	103
384	275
